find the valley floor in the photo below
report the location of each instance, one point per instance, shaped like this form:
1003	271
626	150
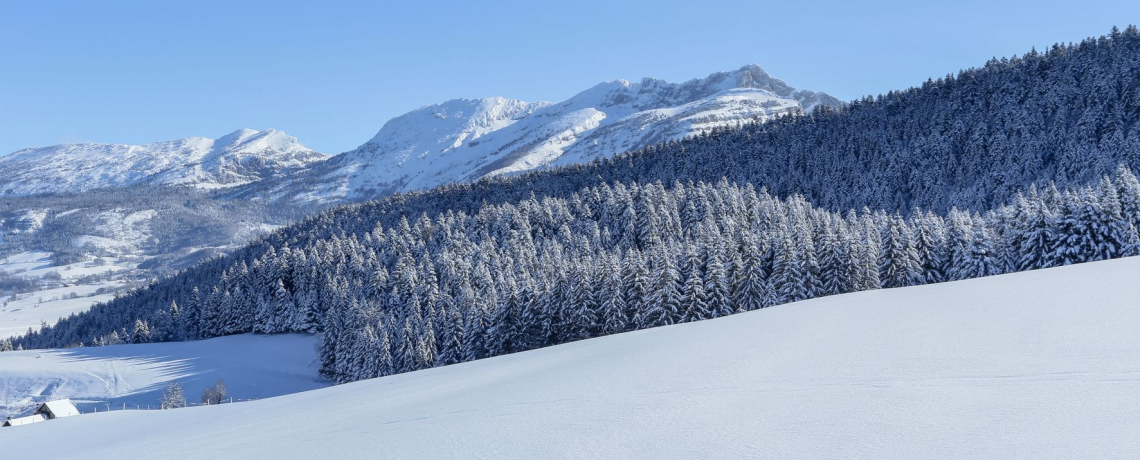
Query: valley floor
79	286
134	376
1031	365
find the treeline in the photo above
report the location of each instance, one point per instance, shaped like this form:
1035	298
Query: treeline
610	259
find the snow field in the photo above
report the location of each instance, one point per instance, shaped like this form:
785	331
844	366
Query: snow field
24	310
99	378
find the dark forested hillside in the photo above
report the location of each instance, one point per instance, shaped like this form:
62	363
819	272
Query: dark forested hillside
729	221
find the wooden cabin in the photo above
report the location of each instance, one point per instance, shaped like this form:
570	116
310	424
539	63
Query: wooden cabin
58	408
46	411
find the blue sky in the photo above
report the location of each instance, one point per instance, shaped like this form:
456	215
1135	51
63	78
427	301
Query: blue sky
332	72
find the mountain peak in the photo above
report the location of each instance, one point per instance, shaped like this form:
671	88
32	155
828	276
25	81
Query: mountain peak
238	137
244	132
751	75
462	119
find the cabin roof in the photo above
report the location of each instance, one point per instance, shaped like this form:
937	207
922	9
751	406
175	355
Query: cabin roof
60	408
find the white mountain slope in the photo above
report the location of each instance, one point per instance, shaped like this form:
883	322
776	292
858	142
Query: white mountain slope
466	139
240	157
1031	365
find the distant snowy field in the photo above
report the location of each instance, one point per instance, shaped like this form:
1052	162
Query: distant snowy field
253	366
1031	365
48	305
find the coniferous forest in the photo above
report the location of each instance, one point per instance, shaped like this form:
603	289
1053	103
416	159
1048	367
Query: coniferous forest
1021	164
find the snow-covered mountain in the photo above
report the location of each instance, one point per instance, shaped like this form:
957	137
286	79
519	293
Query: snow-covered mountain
467	139
1030	365
455	141
241	157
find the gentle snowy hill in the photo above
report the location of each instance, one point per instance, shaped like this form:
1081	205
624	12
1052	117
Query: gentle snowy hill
253	366
241	157
466	139
1031	365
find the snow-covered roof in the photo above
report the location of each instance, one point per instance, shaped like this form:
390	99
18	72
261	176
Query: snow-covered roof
59	408
25	420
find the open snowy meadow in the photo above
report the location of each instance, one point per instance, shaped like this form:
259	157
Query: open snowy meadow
134	376
47	305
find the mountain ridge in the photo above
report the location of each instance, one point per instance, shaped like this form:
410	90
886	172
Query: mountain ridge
459	140
462	140
240	157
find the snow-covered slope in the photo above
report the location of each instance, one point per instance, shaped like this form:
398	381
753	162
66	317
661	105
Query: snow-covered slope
240	157
1031	365
253	366
466	139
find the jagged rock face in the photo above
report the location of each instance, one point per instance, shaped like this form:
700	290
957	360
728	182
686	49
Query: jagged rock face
467	139
238	158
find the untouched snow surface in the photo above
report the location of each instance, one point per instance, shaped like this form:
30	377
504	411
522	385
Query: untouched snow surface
253	366
1032	365
49	305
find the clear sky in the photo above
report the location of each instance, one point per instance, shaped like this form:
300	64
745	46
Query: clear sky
332	72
